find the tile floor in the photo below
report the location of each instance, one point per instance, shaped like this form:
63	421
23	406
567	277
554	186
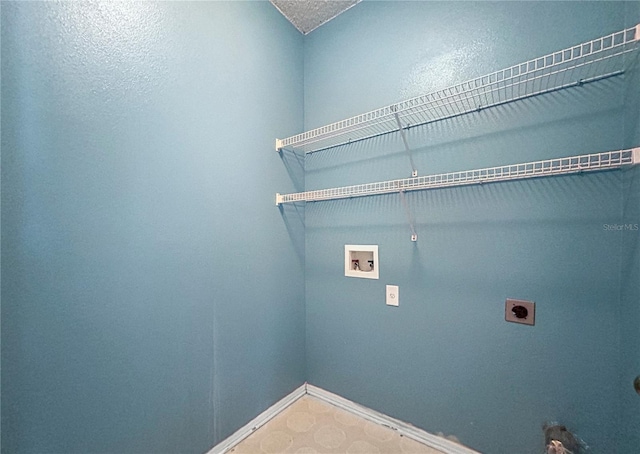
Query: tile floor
312	426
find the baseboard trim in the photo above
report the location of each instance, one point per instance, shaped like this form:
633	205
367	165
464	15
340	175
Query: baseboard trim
404	429
259	421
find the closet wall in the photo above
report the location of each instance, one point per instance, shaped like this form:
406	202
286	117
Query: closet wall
630	310
445	359
630	313
152	298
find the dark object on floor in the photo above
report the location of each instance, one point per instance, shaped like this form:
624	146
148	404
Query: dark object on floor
558	440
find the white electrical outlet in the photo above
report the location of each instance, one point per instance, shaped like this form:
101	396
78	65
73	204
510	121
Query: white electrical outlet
393	297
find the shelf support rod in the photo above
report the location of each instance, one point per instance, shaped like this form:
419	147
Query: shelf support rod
414	235
414	171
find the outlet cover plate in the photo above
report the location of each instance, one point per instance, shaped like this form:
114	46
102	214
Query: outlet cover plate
520	311
393	295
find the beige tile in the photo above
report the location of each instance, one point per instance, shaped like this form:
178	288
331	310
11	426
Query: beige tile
301	421
311	426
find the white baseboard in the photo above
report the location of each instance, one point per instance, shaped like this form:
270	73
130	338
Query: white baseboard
259	421
407	430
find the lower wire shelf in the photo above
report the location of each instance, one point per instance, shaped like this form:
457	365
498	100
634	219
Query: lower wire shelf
557	166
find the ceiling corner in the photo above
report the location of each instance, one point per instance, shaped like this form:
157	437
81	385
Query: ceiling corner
307	15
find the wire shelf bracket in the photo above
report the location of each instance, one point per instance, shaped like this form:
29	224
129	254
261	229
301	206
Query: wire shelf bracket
558	166
590	61
412	227
414	171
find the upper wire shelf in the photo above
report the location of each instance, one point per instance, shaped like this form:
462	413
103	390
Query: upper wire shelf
587	62
557	166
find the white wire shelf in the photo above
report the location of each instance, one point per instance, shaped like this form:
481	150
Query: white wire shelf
558	166
577	65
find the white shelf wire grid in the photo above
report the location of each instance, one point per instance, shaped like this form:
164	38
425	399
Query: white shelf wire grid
557	166
587	62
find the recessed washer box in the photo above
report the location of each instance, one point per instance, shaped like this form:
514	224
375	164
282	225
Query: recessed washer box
361	261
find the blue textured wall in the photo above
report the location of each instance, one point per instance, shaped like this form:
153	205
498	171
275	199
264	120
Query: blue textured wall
152	294
446	360
630	312
152	297
630	277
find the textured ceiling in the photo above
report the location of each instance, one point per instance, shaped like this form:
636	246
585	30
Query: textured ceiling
307	15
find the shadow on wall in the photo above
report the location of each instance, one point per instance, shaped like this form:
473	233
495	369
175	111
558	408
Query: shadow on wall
293	213
293	217
294	163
